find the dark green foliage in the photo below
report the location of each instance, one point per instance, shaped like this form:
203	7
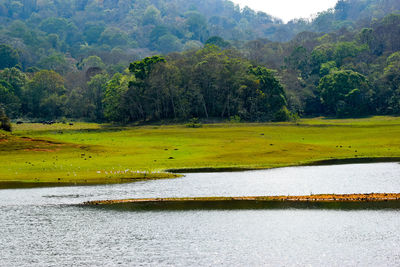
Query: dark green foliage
12	82
218	41
272	92
15	78
114	98
92	32
5	123
208	83
54	25
194	123
196	23
113	37
299	59
8	100
345	93
283	114
141	69
390	85
96	89
8	57
45	95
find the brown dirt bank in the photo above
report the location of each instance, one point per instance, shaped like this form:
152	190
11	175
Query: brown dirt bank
323	201
314	198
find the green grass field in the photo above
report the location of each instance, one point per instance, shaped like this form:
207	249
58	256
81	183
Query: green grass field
91	153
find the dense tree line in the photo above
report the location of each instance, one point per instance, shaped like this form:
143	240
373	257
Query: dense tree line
206	83
348	66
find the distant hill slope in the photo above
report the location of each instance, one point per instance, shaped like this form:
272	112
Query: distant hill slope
153	25
48	32
353	13
126	30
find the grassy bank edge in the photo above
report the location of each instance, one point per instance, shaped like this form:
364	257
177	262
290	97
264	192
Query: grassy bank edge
82	182
178	173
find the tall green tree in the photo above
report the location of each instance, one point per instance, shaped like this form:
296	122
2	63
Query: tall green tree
114	104
141	69
345	93
390	87
16	78
44	95
96	88
9	102
272	92
139	94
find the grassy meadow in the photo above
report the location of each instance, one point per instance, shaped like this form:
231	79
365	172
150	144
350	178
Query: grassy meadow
88	153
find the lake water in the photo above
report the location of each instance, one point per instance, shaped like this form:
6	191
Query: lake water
42	227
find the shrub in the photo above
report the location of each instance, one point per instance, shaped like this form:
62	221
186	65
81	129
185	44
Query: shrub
282	115
234	119
194	123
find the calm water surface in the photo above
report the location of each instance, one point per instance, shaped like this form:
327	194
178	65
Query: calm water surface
39	227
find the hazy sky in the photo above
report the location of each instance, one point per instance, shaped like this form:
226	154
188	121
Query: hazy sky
288	9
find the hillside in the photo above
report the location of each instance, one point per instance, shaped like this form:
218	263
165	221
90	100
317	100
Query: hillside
120	31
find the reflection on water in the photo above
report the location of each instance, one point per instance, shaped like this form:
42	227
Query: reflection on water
248	205
39	229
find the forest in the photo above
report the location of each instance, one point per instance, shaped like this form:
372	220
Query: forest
129	61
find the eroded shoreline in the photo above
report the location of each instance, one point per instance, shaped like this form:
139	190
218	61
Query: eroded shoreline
177	173
320	201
